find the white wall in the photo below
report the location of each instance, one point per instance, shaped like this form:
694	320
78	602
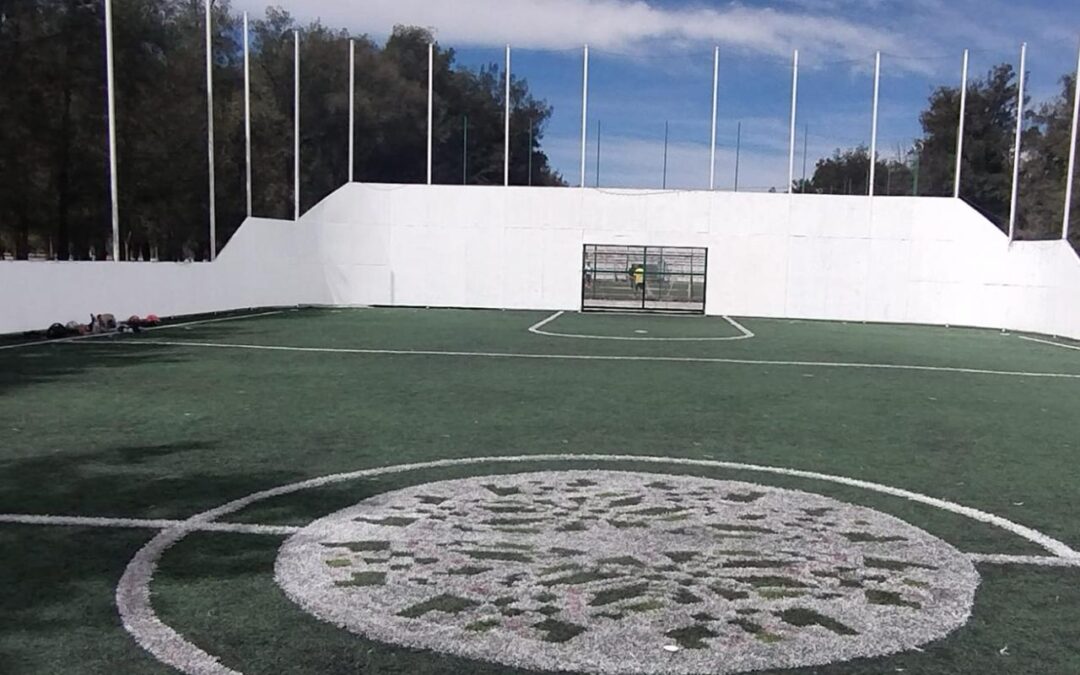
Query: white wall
267	263
909	260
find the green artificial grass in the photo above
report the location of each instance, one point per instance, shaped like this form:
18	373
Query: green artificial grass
127	427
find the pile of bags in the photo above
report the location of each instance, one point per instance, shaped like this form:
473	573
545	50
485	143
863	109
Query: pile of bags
100	324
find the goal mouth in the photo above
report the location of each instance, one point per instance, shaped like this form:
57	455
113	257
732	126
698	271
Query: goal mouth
644	279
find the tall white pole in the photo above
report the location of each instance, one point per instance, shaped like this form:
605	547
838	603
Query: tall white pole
1013	204
430	108
874	123
794	109
296	125
584	113
667	133
210	127
1072	153
715	99
352	107
247	112
960	129
111	86
738	153
506	132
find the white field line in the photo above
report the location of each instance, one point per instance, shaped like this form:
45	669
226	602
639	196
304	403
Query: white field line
38	343
1048	342
667	314
170	647
220	320
285	530
598	357
745	334
143	524
535	328
1036	560
24	345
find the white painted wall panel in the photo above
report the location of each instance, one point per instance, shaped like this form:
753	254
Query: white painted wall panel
911	260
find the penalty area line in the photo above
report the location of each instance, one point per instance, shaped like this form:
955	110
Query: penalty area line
145	524
535	328
744	333
599	357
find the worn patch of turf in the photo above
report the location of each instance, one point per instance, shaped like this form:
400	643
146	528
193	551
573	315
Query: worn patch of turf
879	597
360	579
558	631
360	546
692	637
451	604
612	595
802	617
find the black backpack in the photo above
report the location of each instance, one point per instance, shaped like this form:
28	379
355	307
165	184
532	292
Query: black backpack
57	331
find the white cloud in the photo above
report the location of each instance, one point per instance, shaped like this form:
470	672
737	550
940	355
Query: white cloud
616	25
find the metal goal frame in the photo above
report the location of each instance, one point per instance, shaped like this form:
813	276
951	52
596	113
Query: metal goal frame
645	279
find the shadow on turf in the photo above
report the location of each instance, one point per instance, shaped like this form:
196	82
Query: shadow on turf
60	361
154	481
55	361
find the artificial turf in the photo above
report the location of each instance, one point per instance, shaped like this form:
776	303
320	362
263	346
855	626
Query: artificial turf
130	427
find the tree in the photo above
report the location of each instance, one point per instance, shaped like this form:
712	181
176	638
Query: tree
989	133
1044	168
53	123
847	172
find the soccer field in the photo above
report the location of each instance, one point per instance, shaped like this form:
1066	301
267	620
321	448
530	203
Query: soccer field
443	491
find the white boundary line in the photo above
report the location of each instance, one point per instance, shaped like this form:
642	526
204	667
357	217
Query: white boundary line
600	357
220	320
167	645
1048	342
142	524
746	334
24	345
1037	560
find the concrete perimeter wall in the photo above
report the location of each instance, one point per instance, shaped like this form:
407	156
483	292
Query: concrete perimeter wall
907	260
256	269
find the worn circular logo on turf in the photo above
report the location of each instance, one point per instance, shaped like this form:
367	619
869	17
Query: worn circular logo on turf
614	572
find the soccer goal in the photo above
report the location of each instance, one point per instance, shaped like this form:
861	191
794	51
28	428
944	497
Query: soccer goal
643	278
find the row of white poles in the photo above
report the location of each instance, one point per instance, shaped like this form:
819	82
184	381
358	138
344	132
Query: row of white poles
792	138
111	96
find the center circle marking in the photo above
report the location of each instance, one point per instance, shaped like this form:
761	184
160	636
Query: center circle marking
619	572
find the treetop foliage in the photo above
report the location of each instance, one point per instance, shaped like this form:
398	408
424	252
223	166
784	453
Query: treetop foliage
53	122
928	167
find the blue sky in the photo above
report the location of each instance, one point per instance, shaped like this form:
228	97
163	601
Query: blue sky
651	62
